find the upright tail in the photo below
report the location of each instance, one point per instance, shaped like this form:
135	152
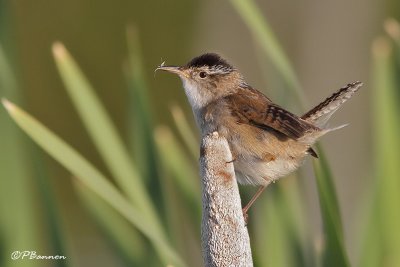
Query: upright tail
320	114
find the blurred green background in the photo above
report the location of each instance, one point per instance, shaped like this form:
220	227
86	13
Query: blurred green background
298	53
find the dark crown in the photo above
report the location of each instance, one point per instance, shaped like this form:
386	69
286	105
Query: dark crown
211	60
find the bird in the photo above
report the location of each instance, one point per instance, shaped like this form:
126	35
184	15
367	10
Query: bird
267	142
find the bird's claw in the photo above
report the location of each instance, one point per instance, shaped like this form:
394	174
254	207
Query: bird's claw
231	161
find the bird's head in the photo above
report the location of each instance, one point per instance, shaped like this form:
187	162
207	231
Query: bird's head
206	78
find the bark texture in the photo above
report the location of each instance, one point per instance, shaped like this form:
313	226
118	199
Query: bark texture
224	235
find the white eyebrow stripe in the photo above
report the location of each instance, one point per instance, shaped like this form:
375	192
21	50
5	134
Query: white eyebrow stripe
220	70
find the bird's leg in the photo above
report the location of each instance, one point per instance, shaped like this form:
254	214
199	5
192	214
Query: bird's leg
252	200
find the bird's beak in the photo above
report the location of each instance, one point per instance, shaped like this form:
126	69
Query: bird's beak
172	69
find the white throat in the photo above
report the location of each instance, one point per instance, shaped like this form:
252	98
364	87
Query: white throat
192	92
196	100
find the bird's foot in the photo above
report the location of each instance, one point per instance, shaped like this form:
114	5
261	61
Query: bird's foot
231	161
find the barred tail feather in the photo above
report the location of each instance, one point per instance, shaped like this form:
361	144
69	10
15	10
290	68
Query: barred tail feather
320	114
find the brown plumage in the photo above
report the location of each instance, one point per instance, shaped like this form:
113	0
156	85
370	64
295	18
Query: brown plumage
266	115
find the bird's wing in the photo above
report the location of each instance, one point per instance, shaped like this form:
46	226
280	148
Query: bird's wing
257	110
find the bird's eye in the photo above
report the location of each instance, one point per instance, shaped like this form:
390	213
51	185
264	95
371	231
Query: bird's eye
203	74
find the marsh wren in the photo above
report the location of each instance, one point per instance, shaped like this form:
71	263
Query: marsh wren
266	141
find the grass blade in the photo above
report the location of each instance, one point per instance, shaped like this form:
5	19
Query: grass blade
114	225
140	116
50	208
293	218
91	178
270	241
263	33
382	240
103	133
8	82
279	227
189	138
180	168
19	223
334	253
